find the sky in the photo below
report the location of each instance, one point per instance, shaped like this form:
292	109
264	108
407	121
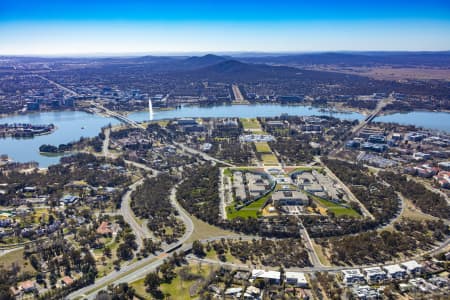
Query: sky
97	27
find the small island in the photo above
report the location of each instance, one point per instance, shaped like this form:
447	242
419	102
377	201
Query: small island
24	130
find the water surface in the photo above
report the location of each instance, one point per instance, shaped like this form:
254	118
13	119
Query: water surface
71	125
426	119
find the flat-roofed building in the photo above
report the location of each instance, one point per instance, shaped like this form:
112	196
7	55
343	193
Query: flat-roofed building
395	272
352	276
365	292
297	279
289	198
412	267
374	275
238	185
313	188
272	277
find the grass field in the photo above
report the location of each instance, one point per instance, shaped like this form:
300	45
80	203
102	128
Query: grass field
204	230
227	172
212	254
108	267
263	147
269	160
337	209
178	288
322	257
16	256
304	169
139	287
250	124
250	211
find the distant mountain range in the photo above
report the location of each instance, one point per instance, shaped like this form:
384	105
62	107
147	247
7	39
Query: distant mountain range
432	59
236	70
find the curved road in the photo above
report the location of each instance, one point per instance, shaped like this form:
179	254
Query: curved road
141	231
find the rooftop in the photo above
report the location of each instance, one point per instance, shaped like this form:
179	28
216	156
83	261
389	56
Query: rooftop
300	276
392	269
266	274
352	272
411	265
373	270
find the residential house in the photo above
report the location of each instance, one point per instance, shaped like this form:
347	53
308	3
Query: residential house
104	228
67	281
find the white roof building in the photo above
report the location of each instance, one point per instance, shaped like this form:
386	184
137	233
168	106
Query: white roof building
374	274
395	271
352	276
296	278
272	276
412	266
233	291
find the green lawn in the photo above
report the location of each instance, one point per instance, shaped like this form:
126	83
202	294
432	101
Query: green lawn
250	124
269	160
16	257
306	169
263	147
337	209
228	172
139	287
250	211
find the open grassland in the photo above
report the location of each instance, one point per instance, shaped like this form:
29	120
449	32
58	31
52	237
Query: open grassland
179	288
16	257
204	230
184	289
105	264
322	257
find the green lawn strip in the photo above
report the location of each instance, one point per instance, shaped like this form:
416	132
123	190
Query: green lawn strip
227	172
250	211
306	169
337	209
263	147
250	124
269	159
259	132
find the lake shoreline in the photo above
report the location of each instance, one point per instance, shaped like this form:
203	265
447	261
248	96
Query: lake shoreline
74	124
331	108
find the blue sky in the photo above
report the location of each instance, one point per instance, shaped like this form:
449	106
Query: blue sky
87	27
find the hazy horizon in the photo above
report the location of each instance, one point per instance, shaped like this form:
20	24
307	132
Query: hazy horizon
236	54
